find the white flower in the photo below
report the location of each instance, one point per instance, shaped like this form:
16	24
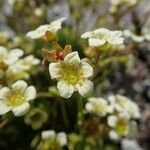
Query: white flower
61	137
124	105
16	98
72	75
28	62
9	57
16	72
145	35
99	106
103	36
40	31
120	126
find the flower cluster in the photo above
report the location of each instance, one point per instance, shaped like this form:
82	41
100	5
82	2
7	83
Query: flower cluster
113	117
119	112
65	66
43	62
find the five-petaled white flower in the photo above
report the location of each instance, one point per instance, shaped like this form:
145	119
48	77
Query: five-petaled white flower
16	98
121	126
99	106
9	57
41	31
72	74
102	36
123	104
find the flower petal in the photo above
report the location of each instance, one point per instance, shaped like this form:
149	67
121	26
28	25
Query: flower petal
112	120
13	56
133	128
3	108
89	107
73	58
87	35
62	138
54	70
147	37
48	134
21	110
113	135
87	70
56	25
31	60
86	88
30	93
38	32
117	33
137	38
130	144
16	52
101	30
4	92
65	90
112	99
127	33
19	85
33	35
96	42
117	41
3	51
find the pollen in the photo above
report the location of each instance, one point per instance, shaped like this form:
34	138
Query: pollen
16	99
122	127
71	74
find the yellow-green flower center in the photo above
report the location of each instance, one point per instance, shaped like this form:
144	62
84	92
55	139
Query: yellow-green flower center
15	98
122	127
99	35
100	107
122	103
51	144
71	73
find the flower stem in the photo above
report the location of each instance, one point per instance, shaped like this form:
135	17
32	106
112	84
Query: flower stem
5	121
